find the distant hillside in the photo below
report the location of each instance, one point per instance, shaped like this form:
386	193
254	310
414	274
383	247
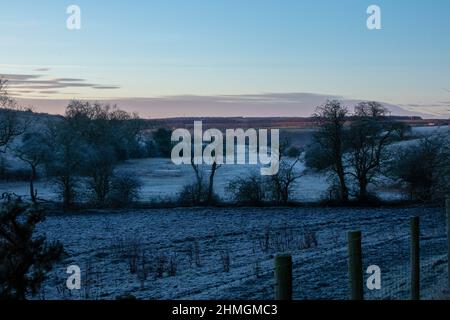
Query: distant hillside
234	122
36	119
282	122
253	106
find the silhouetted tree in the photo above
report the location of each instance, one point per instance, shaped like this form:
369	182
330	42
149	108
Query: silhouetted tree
99	166
371	109
162	138
67	151
366	142
34	152
328	143
109	134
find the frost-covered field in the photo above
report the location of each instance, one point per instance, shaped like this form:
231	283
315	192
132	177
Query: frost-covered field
183	253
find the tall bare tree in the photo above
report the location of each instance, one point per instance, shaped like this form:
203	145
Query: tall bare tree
367	140
329	143
287	174
199	187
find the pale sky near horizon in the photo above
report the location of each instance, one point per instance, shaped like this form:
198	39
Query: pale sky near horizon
134	50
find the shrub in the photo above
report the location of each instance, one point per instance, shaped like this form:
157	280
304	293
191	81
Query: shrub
249	190
196	195
124	190
423	168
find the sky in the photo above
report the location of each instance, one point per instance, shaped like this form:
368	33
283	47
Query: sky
227	57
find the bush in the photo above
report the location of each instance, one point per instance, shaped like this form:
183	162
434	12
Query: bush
423	168
196	194
124	190
249	190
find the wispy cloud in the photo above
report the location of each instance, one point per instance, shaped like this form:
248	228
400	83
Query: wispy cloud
38	83
19	77
98	87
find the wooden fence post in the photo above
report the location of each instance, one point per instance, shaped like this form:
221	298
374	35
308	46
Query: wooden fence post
448	240
283	277
355	272
415	259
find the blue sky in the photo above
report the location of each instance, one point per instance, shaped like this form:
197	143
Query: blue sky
164	48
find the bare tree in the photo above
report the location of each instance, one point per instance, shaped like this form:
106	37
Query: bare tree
328	142
99	167
199	187
212	174
250	189
34	152
10	125
287	174
367	139
371	109
67	157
